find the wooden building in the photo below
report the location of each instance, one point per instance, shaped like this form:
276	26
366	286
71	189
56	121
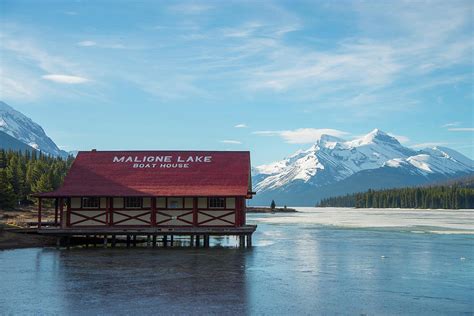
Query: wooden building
192	191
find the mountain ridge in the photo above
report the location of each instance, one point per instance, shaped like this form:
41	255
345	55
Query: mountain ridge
25	130
334	166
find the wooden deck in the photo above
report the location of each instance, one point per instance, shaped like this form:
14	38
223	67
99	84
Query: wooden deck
211	231
152	236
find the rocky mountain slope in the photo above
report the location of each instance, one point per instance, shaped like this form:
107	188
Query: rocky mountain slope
24	130
334	166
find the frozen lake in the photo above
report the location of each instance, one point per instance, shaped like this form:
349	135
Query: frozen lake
418	221
320	261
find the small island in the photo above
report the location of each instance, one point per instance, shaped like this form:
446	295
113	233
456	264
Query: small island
262	209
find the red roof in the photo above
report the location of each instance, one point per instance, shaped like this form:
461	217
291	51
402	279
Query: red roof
157	173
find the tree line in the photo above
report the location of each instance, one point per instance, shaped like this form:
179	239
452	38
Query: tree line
443	197
23	173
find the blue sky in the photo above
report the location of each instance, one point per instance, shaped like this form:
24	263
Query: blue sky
265	76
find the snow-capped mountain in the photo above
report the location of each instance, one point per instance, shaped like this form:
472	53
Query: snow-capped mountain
23	129
331	165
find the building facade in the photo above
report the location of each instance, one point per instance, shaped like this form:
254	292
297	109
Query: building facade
136	189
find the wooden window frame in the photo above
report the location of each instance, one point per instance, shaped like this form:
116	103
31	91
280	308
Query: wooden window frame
209	204
83	206
127	199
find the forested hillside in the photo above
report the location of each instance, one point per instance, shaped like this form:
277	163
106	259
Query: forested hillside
455	196
25	172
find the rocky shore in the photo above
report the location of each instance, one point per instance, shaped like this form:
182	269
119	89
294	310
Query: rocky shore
258	209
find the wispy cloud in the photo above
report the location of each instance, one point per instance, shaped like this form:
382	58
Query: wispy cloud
87	43
190	8
65	79
428	145
302	135
461	129
241	125
231	141
452	124
400	138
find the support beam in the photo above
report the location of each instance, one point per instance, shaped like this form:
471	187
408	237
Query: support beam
105	241
242	241
249	241
61	209
195	211
56	204
153	212
154	241
40	201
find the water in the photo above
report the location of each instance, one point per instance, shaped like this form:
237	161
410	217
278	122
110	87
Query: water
297	266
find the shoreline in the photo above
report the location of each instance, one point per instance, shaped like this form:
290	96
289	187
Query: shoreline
258	209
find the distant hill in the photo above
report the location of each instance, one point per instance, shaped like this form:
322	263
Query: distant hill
458	195
26	131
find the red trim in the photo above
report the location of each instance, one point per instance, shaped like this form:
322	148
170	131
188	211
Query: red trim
68	213
220	217
90	218
195	211
130	217
177	218
61	210
153	211
56	212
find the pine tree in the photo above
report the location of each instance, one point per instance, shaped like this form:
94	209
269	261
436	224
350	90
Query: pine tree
7	194
273	205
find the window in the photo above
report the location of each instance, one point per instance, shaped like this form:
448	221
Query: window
175	202
133	202
90	202
216	202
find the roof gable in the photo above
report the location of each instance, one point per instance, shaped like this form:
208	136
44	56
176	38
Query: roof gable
157	173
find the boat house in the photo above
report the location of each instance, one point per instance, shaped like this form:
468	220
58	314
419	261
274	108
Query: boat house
195	193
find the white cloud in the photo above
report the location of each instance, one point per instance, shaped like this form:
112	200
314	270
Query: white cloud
112	45
400	138
452	124
428	145
461	129
242	125
65	79
87	43
230	141
302	135
190	8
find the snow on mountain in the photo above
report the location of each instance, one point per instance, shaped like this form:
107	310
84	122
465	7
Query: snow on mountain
333	159
26	131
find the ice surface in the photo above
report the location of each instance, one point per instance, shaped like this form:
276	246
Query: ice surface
414	220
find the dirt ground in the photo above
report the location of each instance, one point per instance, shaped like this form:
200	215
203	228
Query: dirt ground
19	219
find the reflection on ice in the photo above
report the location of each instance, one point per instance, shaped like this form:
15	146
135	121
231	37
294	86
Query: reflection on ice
413	220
